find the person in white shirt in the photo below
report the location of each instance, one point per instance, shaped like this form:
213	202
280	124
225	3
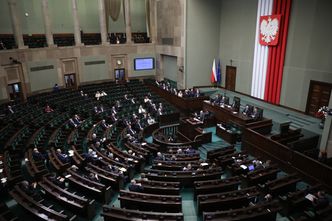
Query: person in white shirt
141	110
97	95
180	94
146	99
103	93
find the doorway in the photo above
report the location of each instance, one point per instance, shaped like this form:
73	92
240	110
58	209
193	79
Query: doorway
230	78
15	91
318	96
70	80
119	74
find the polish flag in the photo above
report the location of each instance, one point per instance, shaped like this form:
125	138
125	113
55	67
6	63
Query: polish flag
214	72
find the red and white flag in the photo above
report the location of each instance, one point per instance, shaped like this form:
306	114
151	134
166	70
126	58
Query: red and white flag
214	72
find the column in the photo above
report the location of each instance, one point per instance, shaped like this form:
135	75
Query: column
16	24
326	138
77	31
153	21
102	21
128	23
47	24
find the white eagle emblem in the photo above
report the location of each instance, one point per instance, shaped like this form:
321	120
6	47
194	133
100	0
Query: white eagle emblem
269	29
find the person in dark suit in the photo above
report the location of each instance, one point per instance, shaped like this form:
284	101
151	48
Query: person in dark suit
130	130
55	88
64	158
246	111
138	126
255	114
36	155
320	201
135	187
104	125
113	117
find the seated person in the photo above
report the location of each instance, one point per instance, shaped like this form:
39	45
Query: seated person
75	121
141	110
201	116
189	150
137	125
188	167
114	119
93	177
320	201
216	99
130	130
38	155
224	100
48	109
255	114
97	95
103	93
235	106
160	156
146	99
30	189
246	111
64	158
159	111
104	125
90	156
180	94
10	109
197	93
151	120
135	187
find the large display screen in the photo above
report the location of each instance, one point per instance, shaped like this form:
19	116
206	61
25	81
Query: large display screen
141	64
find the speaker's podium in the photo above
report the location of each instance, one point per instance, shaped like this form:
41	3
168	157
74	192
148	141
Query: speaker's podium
192	129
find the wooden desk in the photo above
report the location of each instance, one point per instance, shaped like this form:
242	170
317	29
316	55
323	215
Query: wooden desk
313	170
226	200
261	212
186	178
224	134
226	115
148	202
120	214
186	105
216	186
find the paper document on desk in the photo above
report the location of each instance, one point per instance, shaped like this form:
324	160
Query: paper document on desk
244	167
310	197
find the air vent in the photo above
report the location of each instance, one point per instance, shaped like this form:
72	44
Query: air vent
42	68
167	41
94	62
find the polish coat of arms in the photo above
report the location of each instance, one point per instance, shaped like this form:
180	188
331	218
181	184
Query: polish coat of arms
269	29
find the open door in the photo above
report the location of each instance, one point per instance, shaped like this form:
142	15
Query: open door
15	91
119	74
318	96
70	80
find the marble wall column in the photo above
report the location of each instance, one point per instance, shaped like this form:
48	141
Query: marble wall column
128	21
153	21
16	24
102	21
47	24
77	31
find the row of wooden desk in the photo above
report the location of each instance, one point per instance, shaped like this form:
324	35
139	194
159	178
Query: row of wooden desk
186	105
